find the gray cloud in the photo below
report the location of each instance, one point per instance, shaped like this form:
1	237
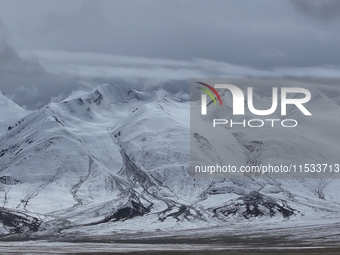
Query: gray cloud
11	63
58	73
49	48
324	10
243	32
172	76
26	81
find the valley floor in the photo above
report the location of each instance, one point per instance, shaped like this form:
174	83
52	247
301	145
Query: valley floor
39	247
249	239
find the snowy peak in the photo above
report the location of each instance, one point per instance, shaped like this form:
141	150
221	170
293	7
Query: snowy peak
10	112
113	94
106	101
6	103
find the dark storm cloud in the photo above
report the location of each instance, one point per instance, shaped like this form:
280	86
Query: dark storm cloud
324	10
260	34
51	47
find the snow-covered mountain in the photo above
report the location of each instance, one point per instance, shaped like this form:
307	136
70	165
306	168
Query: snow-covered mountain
116	158
10	112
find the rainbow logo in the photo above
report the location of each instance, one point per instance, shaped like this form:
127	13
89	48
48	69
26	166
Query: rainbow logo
209	92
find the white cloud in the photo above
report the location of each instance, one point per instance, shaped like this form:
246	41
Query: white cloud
157	70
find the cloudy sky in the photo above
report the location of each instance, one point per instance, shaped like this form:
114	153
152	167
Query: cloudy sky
50	47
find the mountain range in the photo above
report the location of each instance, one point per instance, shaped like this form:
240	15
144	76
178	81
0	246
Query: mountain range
118	159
